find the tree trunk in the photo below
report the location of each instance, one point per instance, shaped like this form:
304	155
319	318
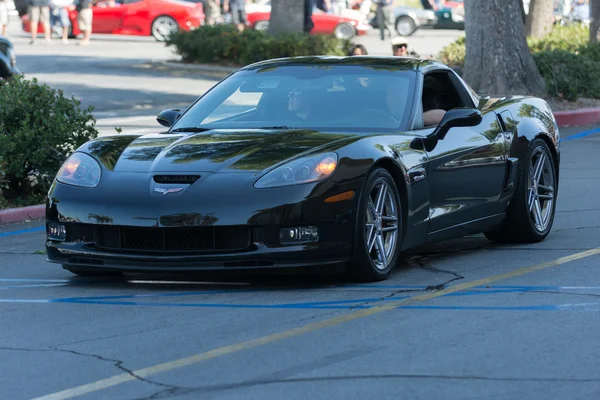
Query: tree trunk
595	25
287	16
540	18
498	60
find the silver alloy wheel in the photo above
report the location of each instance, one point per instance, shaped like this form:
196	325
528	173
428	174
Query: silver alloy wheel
381	228
344	31
405	26
540	188
163	27
261	26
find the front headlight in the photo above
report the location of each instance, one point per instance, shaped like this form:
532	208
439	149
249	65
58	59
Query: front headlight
80	170
303	170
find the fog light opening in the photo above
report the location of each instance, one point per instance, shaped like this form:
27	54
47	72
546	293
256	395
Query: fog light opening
299	234
56	231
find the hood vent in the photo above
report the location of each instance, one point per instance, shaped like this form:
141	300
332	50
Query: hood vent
180	179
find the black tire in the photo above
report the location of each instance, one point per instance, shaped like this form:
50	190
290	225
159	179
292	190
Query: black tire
88	272
363	267
405	26
519	226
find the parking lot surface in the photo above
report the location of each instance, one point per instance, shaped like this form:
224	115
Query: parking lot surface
463	319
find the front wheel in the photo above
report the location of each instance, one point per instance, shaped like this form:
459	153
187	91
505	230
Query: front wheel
344	31
378	229
163	27
530	214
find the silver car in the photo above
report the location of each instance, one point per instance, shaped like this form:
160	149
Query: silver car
408	20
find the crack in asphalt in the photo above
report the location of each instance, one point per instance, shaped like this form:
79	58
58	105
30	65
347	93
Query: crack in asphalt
420	263
175	392
117	363
106	337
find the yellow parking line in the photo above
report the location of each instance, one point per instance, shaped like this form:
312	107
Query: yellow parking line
249	344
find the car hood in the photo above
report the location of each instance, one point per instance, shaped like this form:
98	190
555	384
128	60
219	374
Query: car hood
212	151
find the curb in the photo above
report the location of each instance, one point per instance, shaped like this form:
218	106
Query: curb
580	117
22	214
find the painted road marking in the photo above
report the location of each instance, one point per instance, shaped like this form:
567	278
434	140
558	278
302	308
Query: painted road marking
581	134
276	337
22	231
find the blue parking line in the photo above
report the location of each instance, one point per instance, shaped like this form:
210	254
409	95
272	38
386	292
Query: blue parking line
581	134
22	231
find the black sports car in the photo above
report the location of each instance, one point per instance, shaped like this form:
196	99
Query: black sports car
311	161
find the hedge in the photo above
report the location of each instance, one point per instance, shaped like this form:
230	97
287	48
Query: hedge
225	45
567	61
39	128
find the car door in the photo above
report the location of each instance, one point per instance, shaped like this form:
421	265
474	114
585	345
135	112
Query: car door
136	17
467	169
107	18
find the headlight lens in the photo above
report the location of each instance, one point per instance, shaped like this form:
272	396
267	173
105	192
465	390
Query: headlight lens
303	170
80	170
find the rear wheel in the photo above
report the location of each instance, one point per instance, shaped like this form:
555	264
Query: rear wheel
405	26
378	229
88	272
261	25
530	214
163	27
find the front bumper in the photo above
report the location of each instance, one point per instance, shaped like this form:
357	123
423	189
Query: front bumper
208	227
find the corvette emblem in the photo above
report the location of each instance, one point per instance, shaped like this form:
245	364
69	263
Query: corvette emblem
167	191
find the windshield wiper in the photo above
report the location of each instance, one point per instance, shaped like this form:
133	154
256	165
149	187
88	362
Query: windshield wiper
191	129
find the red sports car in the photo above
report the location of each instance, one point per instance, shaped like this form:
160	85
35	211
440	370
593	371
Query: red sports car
158	18
350	24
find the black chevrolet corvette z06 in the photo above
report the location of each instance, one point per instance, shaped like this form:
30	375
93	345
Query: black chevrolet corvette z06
310	161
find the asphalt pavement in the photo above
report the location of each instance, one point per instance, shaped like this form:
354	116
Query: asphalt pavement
463	319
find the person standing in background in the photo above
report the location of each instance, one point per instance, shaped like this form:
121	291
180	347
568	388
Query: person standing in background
338	7
39	11
212	9
382	16
85	18
3	17
238	12
59	12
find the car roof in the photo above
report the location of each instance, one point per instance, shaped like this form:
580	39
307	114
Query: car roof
407	63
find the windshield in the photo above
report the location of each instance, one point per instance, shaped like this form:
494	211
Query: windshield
319	97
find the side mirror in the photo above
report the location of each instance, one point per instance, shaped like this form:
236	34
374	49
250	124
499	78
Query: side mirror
168	117
457	117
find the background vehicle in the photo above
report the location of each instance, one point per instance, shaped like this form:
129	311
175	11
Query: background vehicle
8	59
310	161
408	20
351	24
158	18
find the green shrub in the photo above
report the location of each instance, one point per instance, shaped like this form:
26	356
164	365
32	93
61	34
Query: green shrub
569	75
225	45
454	54
568	38
39	128
567	61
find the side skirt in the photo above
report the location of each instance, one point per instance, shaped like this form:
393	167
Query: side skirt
467	228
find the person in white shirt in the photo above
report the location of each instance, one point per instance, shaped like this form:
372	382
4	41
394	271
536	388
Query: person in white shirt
338	7
60	13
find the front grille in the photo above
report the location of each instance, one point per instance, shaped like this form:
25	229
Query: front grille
164	240
181	179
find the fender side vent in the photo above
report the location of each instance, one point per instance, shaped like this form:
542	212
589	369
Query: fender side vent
187	179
